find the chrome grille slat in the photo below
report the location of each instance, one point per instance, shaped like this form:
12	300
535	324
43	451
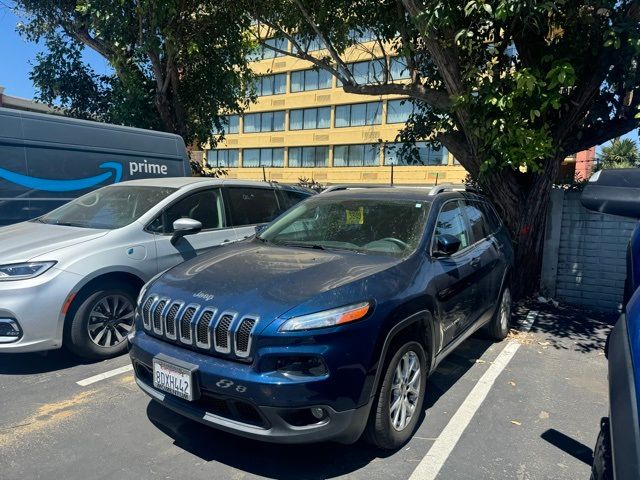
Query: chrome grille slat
243	336
186	330
170	320
158	310
222	332
202	332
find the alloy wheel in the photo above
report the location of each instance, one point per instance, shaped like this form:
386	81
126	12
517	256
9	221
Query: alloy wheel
110	320
405	391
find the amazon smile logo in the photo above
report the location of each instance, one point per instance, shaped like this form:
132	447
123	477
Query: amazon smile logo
48	185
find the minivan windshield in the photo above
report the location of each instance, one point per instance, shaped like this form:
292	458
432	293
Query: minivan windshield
371	226
108	208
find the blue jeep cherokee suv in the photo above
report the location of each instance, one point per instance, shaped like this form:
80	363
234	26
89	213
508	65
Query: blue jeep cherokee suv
327	323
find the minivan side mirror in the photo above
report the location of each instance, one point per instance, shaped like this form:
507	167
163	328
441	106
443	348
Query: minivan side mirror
446	245
184	226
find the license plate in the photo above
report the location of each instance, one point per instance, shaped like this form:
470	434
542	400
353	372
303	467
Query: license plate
173	379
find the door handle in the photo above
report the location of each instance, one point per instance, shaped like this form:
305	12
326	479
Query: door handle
475	262
226	241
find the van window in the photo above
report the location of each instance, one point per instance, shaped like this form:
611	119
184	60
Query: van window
205	207
289	198
250	206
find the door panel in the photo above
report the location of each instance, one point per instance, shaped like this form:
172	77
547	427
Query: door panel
457	293
206	206
486	256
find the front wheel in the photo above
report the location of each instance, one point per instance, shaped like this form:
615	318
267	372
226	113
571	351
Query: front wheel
398	404
100	325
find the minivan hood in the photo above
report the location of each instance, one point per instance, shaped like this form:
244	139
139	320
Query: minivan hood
25	241
263	279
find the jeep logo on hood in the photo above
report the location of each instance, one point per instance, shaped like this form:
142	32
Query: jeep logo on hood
204	296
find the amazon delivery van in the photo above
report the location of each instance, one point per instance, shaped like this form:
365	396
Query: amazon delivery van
47	160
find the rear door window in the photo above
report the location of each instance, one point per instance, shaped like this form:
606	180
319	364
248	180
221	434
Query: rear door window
251	206
289	198
477	221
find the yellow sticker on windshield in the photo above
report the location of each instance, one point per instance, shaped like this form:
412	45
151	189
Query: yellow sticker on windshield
355	217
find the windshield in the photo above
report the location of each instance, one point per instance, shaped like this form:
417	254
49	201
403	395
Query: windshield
107	208
375	226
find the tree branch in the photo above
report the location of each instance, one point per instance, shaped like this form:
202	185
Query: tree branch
586	138
436	98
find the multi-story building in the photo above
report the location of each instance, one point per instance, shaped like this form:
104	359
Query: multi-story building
303	125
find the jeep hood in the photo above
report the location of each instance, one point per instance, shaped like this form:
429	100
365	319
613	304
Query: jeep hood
25	241
267	280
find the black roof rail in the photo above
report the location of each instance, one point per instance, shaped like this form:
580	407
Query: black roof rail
335	188
451	187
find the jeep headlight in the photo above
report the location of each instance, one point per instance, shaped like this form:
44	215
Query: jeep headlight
23	271
327	318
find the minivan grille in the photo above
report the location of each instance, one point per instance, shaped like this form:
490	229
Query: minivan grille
203	328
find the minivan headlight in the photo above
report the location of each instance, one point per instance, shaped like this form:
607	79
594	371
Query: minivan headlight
23	271
327	318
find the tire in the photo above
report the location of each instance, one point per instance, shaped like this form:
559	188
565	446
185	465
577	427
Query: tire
99	326
500	323
602	468
380	430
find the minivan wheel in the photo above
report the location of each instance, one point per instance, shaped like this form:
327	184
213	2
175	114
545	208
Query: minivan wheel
398	405
501	321
100	326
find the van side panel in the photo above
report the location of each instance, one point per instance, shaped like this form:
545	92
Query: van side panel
45	161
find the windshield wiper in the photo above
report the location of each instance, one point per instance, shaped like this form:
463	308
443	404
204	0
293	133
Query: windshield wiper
303	245
69	224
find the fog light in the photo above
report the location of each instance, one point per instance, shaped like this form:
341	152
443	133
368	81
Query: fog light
10	330
318	412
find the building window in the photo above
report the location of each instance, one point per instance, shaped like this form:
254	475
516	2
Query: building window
222	158
399	69
399	111
271	85
263	157
313	79
310	44
264	52
356	155
359	114
420	154
309	118
231	123
263	122
308	156
361	36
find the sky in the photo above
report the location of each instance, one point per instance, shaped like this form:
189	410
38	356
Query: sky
17	55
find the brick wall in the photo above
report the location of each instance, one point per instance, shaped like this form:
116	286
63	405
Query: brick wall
590	250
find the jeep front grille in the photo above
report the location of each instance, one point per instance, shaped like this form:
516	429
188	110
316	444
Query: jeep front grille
201	327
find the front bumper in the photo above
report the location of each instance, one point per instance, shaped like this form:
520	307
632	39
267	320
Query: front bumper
36	306
251	413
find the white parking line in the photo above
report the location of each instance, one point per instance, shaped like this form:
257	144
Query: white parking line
432	463
105	375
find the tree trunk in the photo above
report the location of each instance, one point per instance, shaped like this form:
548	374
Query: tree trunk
522	200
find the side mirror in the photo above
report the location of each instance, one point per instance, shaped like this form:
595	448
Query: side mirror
184	226
261	228
446	245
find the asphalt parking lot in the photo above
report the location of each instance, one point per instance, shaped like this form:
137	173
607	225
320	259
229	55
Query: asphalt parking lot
526	408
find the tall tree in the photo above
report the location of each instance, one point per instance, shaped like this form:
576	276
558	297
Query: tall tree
620	153
178	65
510	87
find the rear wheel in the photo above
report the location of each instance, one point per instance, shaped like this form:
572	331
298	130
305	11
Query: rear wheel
100	325
602	468
398	404
500	323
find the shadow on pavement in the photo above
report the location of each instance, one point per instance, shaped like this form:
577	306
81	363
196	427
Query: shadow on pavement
568	445
33	363
570	328
297	462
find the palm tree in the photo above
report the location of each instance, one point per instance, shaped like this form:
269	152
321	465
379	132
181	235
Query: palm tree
620	153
